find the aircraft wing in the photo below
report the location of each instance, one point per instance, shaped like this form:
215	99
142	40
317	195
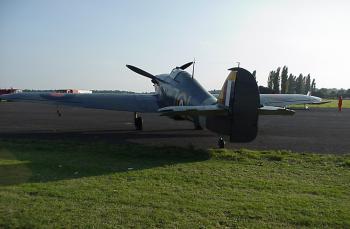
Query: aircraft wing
109	101
206	110
270	110
217	110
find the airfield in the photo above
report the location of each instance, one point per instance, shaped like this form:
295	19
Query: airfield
318	130
90	168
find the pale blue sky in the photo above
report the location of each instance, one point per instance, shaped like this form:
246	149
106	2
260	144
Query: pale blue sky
86	44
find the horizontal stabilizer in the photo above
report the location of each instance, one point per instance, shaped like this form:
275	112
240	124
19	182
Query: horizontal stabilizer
270	110
207	110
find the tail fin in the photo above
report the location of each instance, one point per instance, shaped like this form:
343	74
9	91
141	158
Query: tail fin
228	89
240	94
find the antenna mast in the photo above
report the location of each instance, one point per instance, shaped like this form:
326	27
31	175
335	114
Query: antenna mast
194	62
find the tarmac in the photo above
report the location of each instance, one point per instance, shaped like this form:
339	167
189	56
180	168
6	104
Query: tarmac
316	130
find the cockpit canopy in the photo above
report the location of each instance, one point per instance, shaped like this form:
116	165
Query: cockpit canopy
175	72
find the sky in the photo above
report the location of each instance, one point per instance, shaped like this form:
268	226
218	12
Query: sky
86	44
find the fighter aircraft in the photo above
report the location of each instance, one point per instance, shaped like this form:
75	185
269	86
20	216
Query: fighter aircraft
179	96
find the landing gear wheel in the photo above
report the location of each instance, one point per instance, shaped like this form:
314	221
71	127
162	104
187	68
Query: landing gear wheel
221	143
59	114
138	122
197	127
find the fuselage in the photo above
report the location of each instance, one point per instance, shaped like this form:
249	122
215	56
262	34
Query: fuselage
283	100
179	89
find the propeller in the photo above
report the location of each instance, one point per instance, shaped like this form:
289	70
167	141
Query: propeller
183	67
155	80
140	71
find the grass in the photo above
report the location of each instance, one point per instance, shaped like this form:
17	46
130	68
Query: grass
332	104
96	184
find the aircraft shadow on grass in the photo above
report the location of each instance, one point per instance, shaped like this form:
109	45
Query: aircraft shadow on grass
37	160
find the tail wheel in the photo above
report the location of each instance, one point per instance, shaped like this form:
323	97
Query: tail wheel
221	143
138	123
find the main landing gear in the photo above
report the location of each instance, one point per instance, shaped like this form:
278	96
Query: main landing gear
138	121
59	114
221	143
197	125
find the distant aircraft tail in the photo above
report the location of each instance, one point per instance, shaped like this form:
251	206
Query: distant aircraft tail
308	93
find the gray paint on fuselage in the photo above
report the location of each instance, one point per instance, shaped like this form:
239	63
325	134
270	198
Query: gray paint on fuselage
279	100
181	89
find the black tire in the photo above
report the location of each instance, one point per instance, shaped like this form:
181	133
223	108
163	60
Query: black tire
221	143
197	127
138	123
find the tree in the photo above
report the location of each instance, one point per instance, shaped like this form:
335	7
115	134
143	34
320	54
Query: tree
313	86
341	92
322	93
270	79
254	74
284	80
284	84
308	84
299	89
347	94
291	84
265	90
276	81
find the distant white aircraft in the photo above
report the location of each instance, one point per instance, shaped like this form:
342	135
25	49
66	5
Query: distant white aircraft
285	100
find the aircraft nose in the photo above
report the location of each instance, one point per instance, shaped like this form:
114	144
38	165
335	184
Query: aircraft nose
318	99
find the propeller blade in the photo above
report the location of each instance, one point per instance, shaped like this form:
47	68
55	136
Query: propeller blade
140	71
155	80
183	67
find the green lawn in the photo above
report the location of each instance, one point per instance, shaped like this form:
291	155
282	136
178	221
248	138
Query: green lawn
332	104
92	185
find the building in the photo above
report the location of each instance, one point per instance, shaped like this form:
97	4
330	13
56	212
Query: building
9	91
74	91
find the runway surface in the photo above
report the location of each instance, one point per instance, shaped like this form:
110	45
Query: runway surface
316	130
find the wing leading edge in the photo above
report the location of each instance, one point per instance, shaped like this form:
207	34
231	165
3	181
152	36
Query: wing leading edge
217	110
146	103
283	100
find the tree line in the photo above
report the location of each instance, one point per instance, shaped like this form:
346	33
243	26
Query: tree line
332	93
279	82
